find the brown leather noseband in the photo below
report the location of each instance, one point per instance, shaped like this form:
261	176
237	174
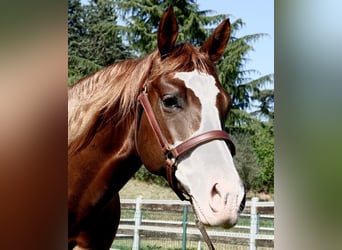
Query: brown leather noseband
171	153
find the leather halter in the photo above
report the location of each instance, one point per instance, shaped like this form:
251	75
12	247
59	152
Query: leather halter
171	153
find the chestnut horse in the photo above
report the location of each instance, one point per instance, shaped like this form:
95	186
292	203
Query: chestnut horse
164	111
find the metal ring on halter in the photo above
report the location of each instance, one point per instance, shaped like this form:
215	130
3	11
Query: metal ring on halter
169	155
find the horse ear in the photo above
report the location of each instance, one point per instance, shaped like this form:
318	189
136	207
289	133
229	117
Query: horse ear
217	42
167	32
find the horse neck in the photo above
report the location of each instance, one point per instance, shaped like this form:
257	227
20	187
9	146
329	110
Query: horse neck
125	159
120	159
107	162
102	167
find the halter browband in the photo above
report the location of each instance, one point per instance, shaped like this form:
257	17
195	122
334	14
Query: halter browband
172	154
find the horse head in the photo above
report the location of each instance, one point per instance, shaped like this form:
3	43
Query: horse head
179	129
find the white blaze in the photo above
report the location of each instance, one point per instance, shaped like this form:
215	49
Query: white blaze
209	174
205	89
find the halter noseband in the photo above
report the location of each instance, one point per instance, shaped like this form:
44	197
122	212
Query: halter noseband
172	154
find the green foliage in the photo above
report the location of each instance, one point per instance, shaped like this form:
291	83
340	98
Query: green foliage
79	67
235	78
254	159
144	175
142	19
245	160
93	37
252	113
264	98
263	143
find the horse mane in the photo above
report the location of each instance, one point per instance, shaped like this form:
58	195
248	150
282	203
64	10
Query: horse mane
111	93
184	57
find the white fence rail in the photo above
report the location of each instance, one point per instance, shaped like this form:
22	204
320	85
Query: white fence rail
252	231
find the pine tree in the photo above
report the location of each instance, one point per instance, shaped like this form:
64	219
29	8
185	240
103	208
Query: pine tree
252	110
142	19
94	37
244	91
76	34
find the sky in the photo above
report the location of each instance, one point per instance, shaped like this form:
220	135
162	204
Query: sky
258	16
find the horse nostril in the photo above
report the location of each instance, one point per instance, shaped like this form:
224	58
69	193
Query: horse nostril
242	204
218	198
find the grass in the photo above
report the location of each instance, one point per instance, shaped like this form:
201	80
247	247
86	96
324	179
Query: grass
126	244
134	188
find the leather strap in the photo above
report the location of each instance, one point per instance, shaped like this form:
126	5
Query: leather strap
202	229
145	103
170	160
201	139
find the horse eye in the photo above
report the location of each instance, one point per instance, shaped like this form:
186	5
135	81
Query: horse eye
170	102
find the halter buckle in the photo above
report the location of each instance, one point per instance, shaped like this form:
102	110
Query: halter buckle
144	89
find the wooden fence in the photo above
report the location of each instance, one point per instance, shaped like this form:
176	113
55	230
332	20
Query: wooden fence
146	219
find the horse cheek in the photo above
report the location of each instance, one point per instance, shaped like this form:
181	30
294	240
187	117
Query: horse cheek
149	150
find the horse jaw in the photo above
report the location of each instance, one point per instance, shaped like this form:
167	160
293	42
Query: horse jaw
208	174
